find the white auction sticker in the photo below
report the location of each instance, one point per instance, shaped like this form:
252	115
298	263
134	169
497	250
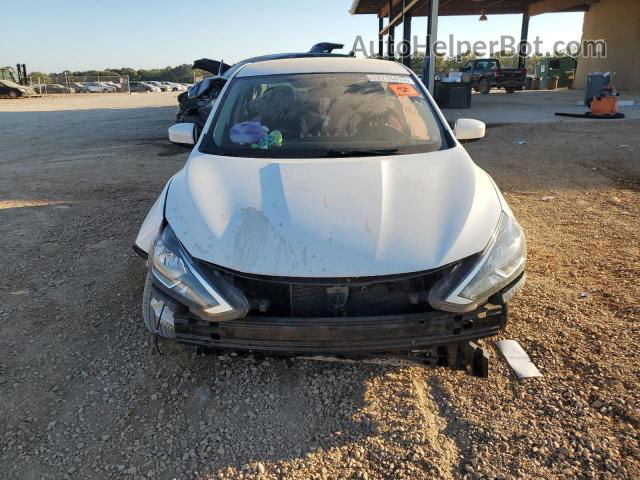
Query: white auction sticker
378	77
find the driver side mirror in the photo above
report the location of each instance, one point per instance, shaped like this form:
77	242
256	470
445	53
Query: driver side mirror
469	129
183	133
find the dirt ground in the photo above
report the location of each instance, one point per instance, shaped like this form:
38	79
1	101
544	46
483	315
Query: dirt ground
84	394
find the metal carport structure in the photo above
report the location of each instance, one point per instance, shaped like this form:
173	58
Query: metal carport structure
400	12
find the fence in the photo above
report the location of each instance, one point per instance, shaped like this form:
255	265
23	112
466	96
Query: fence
80	84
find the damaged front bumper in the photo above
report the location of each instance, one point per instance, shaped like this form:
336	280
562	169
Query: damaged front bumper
339	335
342	335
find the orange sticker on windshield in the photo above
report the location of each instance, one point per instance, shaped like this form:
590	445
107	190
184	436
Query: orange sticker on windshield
403	90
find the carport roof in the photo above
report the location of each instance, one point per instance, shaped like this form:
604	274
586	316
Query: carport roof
470	7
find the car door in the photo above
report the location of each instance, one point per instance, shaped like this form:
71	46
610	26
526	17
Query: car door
467	69
480	68
492	69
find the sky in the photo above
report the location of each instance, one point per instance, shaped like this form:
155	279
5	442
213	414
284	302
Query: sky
52	36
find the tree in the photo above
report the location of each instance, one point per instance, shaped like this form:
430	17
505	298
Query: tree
39	77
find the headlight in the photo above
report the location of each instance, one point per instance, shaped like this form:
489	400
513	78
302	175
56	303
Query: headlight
207	294
22	89
470	283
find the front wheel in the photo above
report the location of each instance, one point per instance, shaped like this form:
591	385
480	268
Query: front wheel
13	94
484	86
510	90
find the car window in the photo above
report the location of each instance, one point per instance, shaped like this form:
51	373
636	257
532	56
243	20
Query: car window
482	65
320	115
467	67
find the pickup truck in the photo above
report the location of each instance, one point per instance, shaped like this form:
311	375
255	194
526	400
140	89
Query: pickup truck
486	74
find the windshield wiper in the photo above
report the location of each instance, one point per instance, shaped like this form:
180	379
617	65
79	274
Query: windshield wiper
361	153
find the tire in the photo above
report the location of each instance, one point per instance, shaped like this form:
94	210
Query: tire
149	316
510	90
106	90
476	89
484	86
13	94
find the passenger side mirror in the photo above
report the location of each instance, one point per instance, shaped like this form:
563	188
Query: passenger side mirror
469	129
183	133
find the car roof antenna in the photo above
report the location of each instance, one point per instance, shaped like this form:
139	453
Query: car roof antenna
325	47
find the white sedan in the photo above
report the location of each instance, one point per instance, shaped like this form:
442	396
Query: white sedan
175	87
327	207
99	87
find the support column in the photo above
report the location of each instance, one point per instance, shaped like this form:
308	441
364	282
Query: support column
524	34
390	42
406	39
429	72
380	39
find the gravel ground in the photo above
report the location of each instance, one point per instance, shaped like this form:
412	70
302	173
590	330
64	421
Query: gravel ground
84	393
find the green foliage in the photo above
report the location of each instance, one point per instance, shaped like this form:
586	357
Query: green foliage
182	73
443	62
40	77
454	64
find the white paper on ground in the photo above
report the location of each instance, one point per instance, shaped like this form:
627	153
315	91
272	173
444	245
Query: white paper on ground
518	359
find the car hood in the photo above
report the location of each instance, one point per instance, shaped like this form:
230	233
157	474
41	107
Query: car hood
342	217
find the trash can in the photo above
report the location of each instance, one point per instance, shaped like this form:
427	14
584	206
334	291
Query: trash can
453	94
535	84
528	84
596	83
552	83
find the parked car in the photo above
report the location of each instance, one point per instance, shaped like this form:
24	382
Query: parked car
99	87
58	88
115	85
328	207
195	104
142	87
196	109
486	73
9	89
160	85
79	87
154	88
174	87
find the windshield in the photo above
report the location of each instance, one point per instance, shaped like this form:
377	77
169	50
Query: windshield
323	115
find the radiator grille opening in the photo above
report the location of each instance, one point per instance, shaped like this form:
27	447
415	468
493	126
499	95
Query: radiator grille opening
395	297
